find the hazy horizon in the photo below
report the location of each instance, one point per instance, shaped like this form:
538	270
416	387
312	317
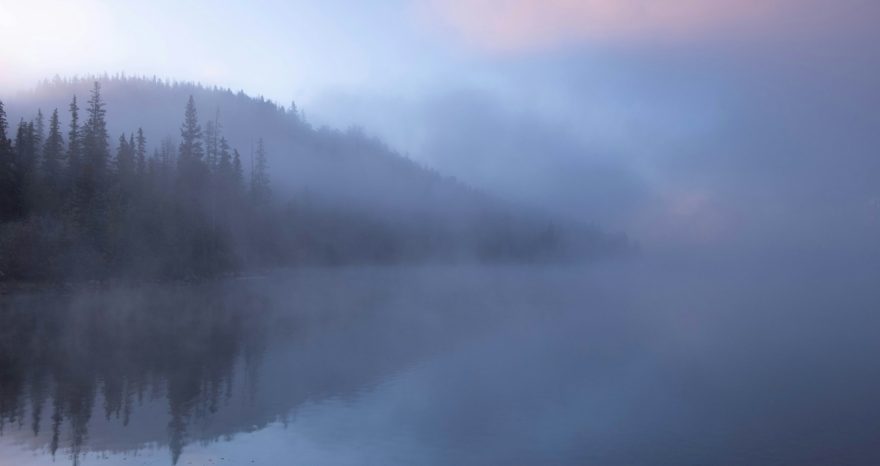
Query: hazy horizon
492	232
686	123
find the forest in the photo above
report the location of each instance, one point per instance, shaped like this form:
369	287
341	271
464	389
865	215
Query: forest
76	206
72	206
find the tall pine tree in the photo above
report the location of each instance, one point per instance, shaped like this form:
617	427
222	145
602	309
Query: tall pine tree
96	150
53	158
190	162
92	185
74	145
7	174
24	169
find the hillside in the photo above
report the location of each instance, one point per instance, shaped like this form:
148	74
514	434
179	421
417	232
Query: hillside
316	196
301	157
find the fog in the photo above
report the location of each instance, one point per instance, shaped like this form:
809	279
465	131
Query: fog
440	232
719	124
758	137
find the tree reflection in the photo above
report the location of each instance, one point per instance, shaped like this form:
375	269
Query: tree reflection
63	354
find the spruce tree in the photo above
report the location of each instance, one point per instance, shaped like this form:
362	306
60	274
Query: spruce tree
237	172
39	131
74	144
153	165
4	139
92	185
190	163
125	165
7	195
53	155
132	154
224	164
211	144
96	148
260	190
24	169
141	153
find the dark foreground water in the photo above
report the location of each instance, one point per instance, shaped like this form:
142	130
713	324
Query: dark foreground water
629	364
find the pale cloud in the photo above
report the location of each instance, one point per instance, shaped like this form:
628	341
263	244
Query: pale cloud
517	25
40	38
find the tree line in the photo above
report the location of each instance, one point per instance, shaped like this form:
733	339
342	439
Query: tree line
73	206
77	205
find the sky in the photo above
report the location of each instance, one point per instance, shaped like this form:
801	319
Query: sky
682	122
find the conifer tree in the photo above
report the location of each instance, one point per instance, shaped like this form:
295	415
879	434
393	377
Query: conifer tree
53	155
74	144
212	148
166	155
237	172
24	169
7	195
96	148
124	162
132	154
191	169
153	165
4	125
260	190
90	202
141	153
39	131
224	163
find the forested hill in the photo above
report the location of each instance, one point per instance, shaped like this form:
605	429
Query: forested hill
345	166
139	178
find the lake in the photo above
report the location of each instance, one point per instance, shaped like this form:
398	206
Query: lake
637	363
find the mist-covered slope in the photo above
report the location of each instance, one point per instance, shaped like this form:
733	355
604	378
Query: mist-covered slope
338	165
339	196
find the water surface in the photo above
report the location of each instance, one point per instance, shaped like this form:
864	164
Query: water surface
621	364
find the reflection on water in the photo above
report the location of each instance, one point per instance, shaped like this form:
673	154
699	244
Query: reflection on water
66	358
135	368
625	365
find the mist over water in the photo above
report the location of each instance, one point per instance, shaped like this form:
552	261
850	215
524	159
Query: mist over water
439	232
640	362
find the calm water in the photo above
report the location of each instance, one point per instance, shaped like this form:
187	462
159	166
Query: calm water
609	365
